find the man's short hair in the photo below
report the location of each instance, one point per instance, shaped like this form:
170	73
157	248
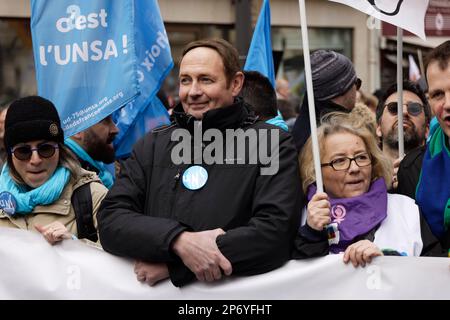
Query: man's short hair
260	94
286	108
441	54
407	86
227	52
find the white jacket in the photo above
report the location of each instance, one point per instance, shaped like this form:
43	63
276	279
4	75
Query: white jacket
400	230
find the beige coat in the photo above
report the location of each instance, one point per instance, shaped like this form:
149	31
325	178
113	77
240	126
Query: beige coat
61	210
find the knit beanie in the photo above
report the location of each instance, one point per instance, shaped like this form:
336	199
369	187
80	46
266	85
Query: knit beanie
32	118
332	74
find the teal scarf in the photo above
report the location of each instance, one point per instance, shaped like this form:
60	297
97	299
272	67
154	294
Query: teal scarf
45	194
433	189
279	122
103	173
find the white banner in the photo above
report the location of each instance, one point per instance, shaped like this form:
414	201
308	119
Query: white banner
30	268
408	15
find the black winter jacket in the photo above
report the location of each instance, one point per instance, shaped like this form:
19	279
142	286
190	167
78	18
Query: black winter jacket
148	206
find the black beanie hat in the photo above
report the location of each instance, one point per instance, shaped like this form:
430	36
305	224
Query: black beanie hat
333	74
32	118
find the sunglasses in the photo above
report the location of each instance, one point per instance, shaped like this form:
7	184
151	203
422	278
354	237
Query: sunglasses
45	150
414	108
358	83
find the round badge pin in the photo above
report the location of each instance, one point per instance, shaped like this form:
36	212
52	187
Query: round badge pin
195	177
8	203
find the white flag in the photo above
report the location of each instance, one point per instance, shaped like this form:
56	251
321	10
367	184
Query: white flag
408	15
414	72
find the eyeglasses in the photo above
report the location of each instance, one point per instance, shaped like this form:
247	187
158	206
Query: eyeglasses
395	12
343	163
45	150
358	83
414	108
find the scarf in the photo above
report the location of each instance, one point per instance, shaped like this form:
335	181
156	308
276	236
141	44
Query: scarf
45	194
356	216
105	176
433	189
279	122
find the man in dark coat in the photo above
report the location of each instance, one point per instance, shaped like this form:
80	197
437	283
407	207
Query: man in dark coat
335	85
224	215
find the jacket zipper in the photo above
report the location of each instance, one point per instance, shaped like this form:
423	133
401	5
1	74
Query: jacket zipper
175	192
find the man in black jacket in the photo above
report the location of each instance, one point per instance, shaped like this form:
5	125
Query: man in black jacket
221	217
335	85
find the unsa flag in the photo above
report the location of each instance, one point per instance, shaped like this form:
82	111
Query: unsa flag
408	15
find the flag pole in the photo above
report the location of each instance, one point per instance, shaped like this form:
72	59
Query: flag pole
401	145
310	94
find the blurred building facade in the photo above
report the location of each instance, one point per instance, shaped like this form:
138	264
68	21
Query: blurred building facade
369	44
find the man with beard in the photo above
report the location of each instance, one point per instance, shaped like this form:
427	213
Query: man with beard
94	148
416	119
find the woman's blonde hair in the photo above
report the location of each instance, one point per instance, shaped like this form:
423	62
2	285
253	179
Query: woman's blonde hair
66	159
355	123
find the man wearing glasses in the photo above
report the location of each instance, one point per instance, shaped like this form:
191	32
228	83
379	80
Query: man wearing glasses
335	85
416	119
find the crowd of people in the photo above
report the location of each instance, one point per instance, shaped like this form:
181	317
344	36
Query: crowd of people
218	208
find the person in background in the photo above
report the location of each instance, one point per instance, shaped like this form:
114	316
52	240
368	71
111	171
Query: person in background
287	110
94	148
258	92
335	84
3	110
41	177
354	215
283	89
369	100
416	120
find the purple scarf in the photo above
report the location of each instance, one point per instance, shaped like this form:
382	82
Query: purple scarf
358	215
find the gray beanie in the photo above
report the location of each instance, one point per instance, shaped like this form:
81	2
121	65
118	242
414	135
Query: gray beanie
332	74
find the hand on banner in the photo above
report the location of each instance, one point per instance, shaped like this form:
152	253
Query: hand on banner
200	254
394	178
361	252
318	211
151	273
54	232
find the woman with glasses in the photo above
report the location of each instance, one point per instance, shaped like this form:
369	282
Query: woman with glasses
41	175
355	215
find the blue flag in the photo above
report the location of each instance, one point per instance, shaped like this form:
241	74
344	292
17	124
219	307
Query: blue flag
85	58
259	57
152	116
154	63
